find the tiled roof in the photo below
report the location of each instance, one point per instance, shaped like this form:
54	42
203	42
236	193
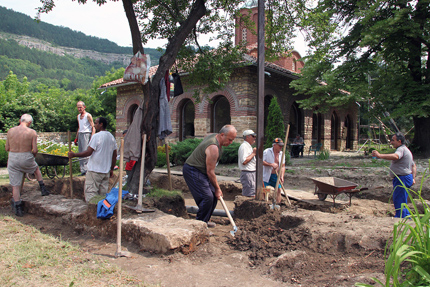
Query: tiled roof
246	58
120	82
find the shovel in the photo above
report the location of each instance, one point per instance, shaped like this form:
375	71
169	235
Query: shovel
138	208
229	217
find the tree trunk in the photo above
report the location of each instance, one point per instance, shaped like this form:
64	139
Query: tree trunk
422	136
134	27
151	91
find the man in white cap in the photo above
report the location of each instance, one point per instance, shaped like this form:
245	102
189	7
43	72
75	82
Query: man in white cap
247	163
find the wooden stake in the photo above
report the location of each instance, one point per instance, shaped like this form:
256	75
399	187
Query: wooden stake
168	166
142	172
119	208
70	165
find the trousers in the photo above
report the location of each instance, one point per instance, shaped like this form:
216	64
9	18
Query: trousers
400	195
202	190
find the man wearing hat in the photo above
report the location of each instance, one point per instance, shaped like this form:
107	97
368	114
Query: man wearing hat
247	163
273	159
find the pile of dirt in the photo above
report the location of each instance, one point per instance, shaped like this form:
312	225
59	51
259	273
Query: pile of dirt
270	235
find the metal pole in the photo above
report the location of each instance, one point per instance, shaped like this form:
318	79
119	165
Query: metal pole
260	101
70	165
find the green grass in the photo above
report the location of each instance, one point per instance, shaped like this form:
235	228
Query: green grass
31	258
290	171
159	192
376	163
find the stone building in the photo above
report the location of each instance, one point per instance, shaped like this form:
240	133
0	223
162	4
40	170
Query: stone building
236	104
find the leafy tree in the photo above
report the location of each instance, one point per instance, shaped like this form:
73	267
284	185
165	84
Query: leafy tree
275	123
182	22
377	51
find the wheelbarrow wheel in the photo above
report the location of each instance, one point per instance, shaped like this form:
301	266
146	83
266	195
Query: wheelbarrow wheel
51	171
321	196
30	177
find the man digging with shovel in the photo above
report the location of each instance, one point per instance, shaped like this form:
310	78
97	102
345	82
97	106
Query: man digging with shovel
199	171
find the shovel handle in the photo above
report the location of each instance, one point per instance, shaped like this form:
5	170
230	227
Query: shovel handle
227	211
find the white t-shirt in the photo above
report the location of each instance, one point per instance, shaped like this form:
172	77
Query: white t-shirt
103	143
245	150
269	156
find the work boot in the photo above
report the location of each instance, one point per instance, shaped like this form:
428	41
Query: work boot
44	190
17	207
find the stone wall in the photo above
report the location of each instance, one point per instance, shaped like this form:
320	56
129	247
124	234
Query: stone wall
54	136
241	93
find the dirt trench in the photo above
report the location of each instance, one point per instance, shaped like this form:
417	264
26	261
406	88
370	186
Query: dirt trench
289	247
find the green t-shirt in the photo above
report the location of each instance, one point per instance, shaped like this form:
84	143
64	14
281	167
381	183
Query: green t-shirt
198	158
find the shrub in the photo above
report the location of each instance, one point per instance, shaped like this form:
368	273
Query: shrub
182	150
275	123
323	155
161	159
3	154
229	153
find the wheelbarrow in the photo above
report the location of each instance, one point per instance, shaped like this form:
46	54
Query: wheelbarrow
54	165
333	186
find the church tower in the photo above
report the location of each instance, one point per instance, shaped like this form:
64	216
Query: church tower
245	35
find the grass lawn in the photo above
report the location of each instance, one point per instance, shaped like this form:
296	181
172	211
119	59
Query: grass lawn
31	258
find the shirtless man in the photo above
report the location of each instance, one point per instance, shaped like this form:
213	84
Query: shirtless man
85	131
21	143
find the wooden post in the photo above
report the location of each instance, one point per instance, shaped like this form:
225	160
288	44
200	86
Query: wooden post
70	165
119	210
142	172
168	166
282	159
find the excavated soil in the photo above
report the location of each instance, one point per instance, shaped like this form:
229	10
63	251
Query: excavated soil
303	244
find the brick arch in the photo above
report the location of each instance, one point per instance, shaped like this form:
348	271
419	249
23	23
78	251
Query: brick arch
205	105
217	121
130	102
177	103
177	116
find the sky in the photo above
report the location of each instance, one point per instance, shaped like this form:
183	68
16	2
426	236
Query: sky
107	21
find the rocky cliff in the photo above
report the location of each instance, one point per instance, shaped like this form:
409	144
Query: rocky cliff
35	43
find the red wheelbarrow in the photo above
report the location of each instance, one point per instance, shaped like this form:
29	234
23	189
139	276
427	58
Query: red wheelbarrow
333	186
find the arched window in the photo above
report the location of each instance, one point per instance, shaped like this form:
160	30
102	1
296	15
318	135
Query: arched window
220	113
334	135
244	32
130	114
296	121
317	128
187	121
348	133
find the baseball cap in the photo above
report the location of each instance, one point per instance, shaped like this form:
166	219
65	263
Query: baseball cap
249	132
278	141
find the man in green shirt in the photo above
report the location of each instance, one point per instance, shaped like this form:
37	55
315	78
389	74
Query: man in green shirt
199	171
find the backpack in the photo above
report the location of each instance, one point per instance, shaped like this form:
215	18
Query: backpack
106	206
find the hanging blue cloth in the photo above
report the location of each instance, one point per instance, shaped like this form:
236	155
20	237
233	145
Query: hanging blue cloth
105	207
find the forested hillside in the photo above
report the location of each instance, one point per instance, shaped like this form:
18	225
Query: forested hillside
48	85
60	71
21	24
